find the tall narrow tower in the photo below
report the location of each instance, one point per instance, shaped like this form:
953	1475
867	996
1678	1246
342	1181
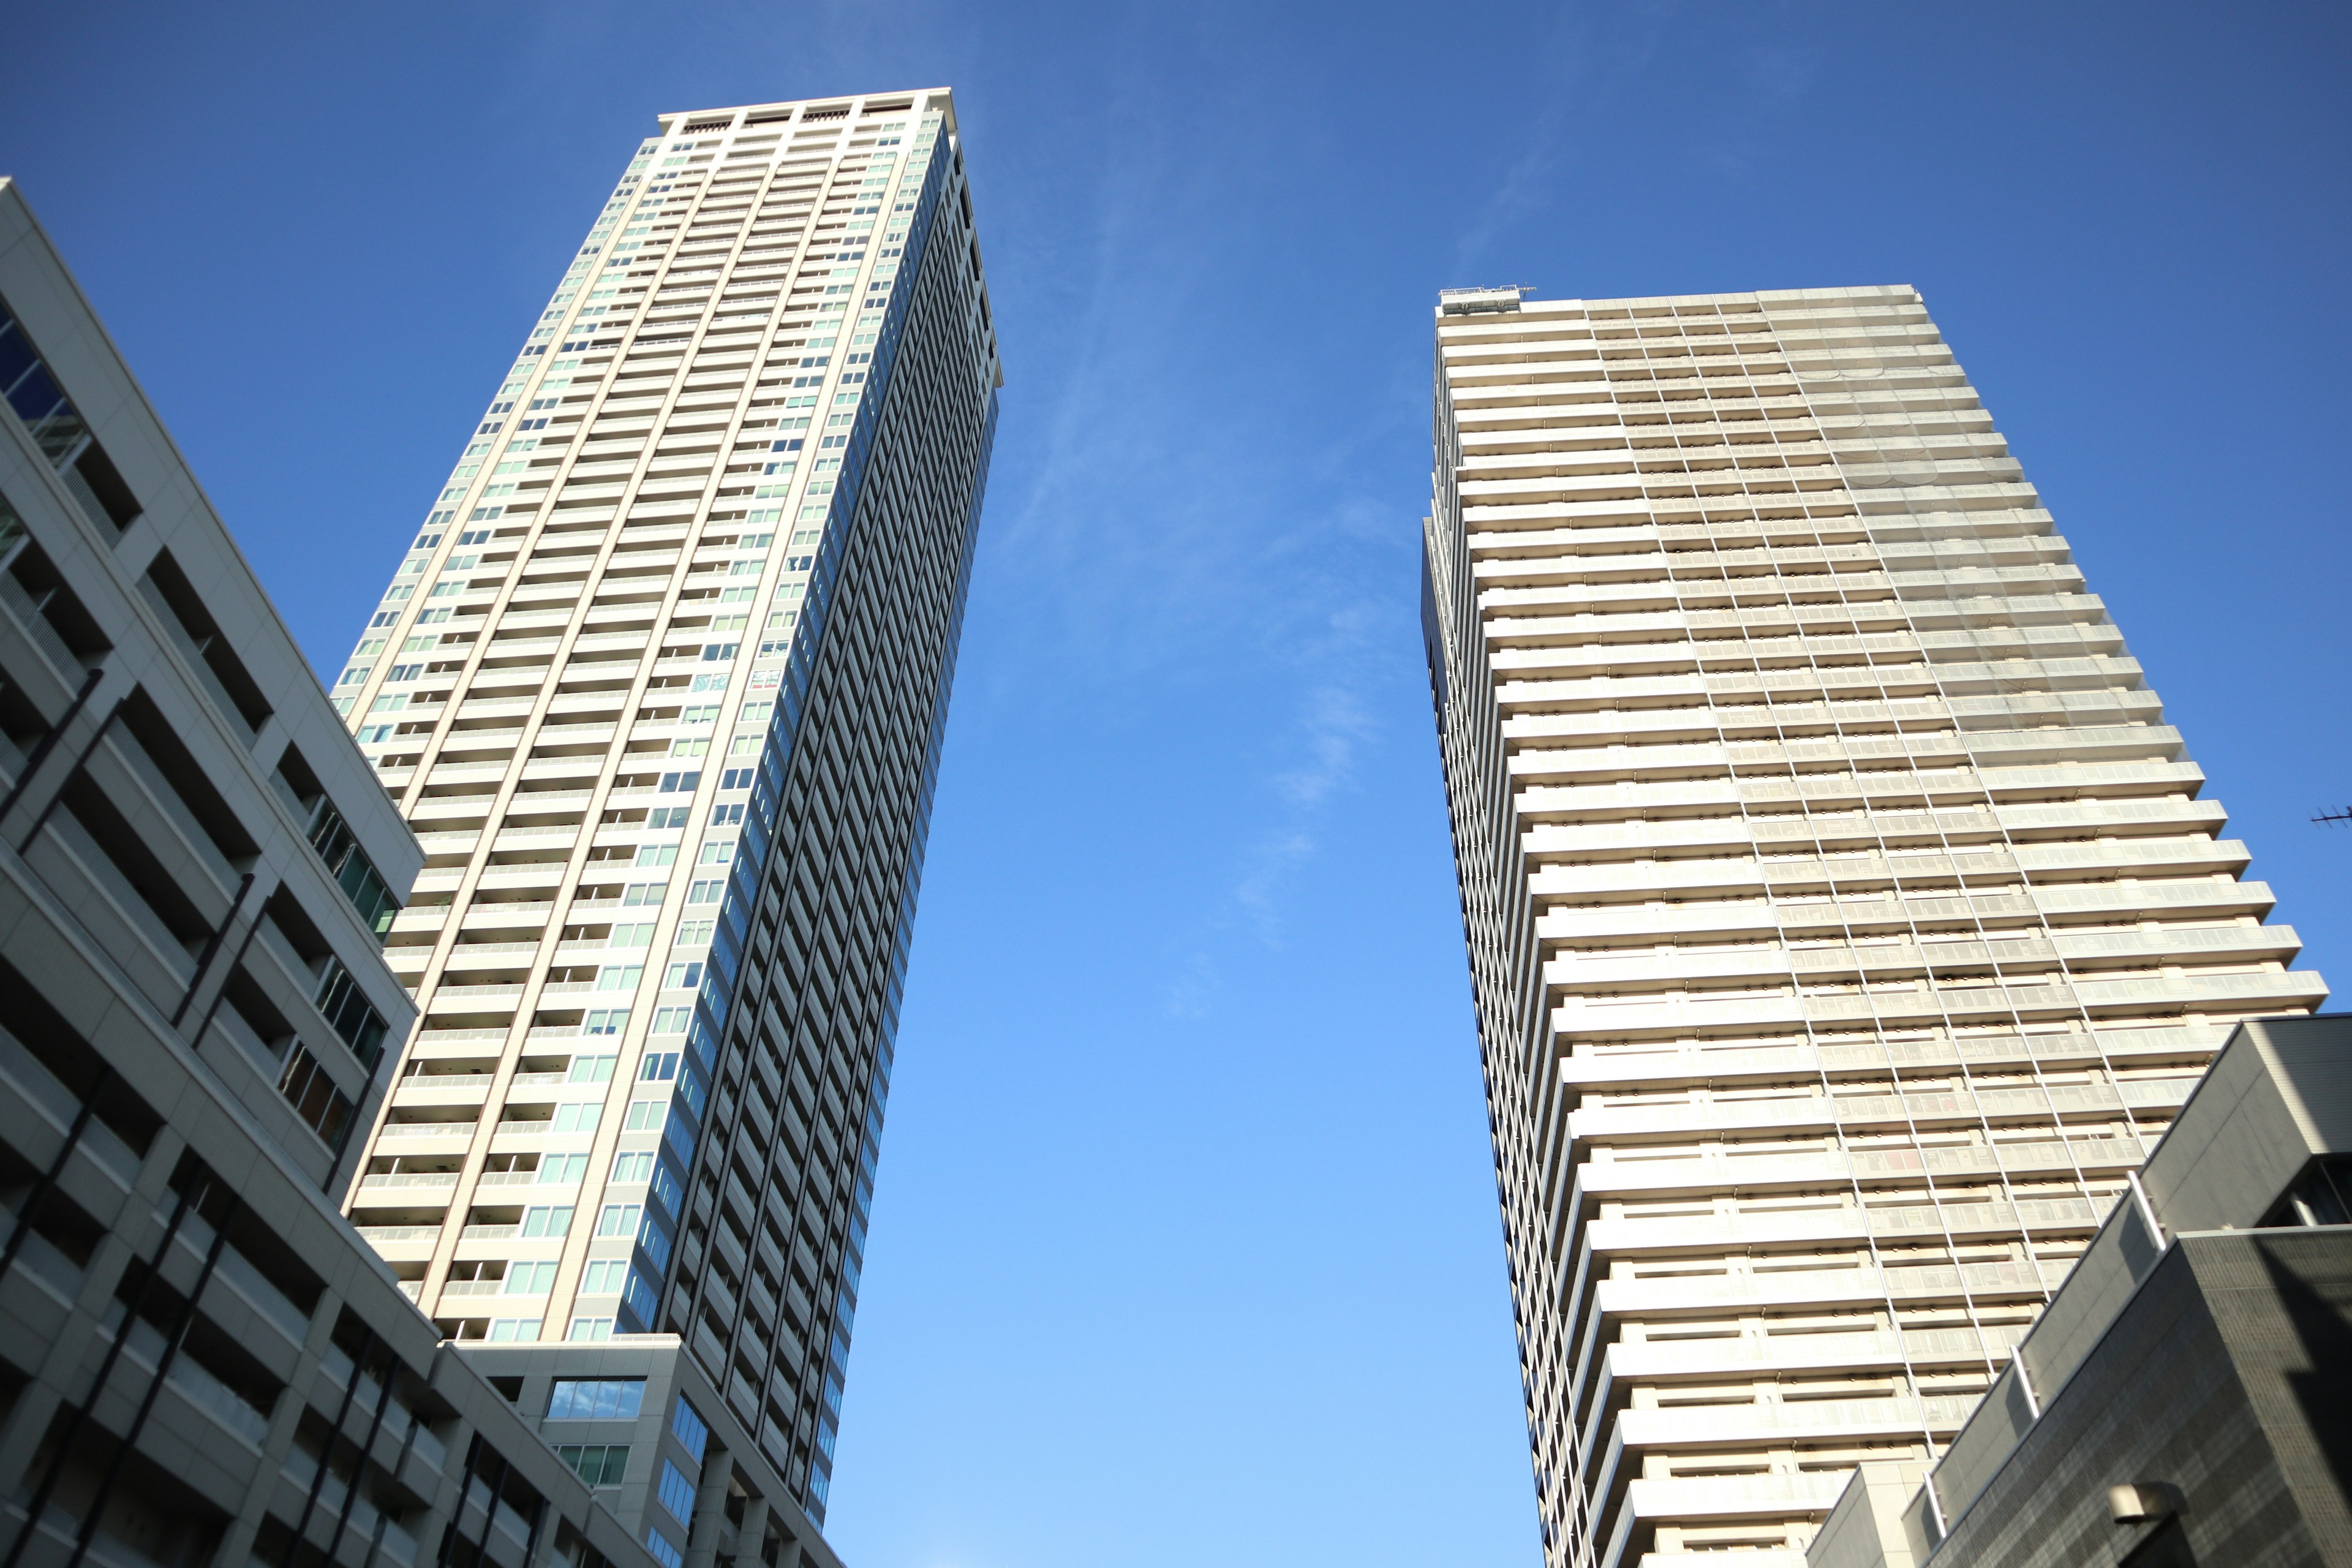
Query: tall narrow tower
661	687
1844	922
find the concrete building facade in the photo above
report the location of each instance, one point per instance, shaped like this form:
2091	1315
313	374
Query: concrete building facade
200	1360
1845	921
661	687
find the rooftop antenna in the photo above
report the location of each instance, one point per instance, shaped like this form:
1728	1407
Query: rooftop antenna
2331	818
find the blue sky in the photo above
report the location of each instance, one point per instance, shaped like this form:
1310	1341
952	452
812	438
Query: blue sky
1185	1247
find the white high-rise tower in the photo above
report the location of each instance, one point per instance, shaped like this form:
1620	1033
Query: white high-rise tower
1844	920
661	689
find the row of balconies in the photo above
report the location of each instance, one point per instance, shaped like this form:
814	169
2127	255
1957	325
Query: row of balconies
1606	453
1621	482
1974	514
1863	1351
2200	899
1547	842
1637	379
1636	1375
1643	763
1548	412
1974	1214
2084	746
1767	1423
538	842
1671	361
1911	788
528	920
1495	407
433	809
1639	507
1744	595
461	1089
1640	632
1471	364
1582	532
1741	691
481	710
1561	326
1919	1005
1841	1287
2032	957
407	1189
1515	651
1647	548
1745	547
1592	424
1698	719
2014	608
1785	875
1694	1063
2069	712
1615	1126
1537	560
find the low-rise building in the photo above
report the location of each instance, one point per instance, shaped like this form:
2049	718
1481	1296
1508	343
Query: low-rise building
201	1362
2187	1396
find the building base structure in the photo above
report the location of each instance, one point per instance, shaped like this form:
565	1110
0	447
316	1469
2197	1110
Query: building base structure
678	1442
2183	1400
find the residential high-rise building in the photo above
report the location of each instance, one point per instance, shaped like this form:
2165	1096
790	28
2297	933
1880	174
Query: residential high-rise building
1844	924
661	687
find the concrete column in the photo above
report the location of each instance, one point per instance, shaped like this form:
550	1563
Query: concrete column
709	1509
752	1535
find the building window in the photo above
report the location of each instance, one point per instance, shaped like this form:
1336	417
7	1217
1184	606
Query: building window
360	1024
599	1464
687	1426
596	1399
603	1276
314	1097
353	872
532	1279
562	1170
676	1491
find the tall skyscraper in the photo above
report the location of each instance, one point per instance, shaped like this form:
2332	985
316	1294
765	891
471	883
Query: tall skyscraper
661	687
1843	922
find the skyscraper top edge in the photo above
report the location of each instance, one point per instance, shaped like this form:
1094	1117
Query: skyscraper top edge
1517	296
740	117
